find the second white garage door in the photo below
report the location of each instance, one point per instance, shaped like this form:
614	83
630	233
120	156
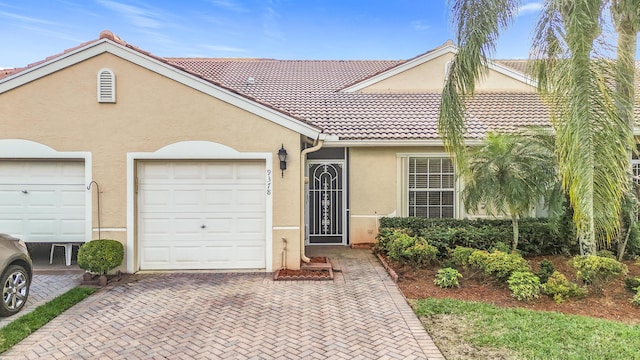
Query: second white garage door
201	215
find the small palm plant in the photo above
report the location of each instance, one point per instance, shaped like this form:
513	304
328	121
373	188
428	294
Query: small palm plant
509	175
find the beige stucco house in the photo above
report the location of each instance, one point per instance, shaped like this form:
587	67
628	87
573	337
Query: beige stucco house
178	158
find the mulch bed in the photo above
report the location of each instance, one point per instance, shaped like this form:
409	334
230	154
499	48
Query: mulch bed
613	304
314	272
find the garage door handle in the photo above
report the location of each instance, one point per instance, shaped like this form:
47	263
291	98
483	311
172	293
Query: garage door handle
202	227
25	191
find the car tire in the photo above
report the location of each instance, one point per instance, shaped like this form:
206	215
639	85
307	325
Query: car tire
15	284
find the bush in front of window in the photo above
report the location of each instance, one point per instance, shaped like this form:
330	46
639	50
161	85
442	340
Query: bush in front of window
538	236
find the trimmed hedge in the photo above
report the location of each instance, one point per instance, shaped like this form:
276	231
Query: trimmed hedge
538	236
100	256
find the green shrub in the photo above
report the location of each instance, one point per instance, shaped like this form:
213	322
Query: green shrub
479	237
447	278
546	269
382	240
441	238
606	253
500	246
537	236
460	256
100	256
630	284
636	298
633	245
411	250
596	270
524	285
478	259
569	243
498	265
560	288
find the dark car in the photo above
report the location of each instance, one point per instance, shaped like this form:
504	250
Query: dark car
17	270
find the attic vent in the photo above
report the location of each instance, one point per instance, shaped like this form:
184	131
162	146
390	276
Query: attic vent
106	86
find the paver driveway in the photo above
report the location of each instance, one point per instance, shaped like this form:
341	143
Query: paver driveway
359	315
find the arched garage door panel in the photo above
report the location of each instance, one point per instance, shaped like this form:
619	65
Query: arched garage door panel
201	215
43	200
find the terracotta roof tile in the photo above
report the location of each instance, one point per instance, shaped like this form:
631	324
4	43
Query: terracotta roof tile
310	90
519	65
6	72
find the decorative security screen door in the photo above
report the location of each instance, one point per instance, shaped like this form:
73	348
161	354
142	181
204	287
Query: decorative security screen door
326	203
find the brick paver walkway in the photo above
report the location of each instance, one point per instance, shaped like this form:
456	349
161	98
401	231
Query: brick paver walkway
359	315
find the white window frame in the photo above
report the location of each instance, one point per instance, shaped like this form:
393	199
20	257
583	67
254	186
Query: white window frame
402	206
635	168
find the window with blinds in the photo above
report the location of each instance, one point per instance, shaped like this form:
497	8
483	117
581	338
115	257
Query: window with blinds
431	189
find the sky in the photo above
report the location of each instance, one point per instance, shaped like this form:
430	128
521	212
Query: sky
31	30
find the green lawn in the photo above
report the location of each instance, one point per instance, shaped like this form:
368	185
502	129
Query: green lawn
19	329
527	334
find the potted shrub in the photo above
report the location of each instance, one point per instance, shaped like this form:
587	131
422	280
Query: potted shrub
98	257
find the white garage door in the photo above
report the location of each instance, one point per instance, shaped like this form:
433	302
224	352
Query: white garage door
201	215
43	201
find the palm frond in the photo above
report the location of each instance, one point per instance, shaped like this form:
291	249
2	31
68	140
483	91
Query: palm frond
478	24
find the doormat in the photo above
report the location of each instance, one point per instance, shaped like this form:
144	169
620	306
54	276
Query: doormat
319	268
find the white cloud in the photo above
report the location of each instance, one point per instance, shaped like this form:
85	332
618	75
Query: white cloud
229	5
529	8
271	24
27	19
54	33
420	25
135	15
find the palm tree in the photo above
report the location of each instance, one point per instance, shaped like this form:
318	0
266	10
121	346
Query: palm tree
593	123
508	176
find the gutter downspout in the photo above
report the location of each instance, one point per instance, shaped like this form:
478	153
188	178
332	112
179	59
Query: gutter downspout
303	163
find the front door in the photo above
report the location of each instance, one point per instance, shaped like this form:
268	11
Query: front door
326	202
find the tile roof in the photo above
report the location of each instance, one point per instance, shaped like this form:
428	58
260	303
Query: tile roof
519	65
311	90
6	72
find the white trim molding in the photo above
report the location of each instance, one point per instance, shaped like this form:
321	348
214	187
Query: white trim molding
402	179
195	150
447	48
